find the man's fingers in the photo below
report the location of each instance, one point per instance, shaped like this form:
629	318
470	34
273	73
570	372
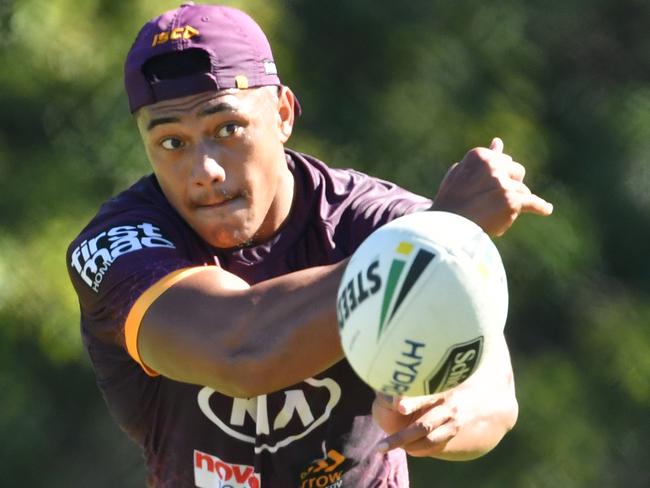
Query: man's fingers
496	145
520	199
516	171
417	430
408	405
434	442
509	185
531	203
385	401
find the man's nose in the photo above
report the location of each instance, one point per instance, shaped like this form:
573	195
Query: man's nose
207	170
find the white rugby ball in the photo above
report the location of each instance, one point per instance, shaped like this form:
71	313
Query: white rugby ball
421	302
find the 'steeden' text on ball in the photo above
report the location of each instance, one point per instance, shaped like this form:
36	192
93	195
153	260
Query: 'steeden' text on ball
357	290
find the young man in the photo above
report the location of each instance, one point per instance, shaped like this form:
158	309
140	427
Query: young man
207	289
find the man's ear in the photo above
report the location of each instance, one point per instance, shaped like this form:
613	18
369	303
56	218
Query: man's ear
286	111
138	119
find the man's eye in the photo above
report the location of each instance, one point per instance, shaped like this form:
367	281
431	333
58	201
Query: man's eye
228	130
171	143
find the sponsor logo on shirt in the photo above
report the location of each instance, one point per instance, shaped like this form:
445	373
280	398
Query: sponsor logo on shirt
212	472
93	257
324	473
273	424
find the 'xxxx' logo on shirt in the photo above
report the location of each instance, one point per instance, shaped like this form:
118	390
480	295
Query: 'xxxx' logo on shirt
271	422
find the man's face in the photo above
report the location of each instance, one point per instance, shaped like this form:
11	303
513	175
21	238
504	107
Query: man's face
219	159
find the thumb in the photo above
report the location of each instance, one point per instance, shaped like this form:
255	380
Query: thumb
408	405
399	404
496	145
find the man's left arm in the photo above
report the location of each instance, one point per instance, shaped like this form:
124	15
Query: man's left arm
460	424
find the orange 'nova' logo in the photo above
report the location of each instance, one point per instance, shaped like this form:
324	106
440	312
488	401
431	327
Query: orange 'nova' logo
186	32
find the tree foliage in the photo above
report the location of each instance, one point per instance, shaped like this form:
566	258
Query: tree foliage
399	90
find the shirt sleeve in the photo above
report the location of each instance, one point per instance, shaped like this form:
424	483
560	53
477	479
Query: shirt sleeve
114	262
372	202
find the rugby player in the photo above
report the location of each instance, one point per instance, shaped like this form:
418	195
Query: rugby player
207	289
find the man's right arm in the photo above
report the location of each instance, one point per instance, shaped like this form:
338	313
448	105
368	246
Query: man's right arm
212	329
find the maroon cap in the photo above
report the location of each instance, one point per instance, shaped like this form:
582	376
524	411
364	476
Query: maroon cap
239	53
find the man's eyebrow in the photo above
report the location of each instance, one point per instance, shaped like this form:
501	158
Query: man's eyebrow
211	110
161	120
219	107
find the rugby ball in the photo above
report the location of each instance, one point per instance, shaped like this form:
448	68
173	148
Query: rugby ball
422	301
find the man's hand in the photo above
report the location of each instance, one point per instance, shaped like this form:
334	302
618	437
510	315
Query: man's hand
462	423
422	426
487	187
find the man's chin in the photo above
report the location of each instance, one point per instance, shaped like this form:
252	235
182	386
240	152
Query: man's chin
229	240
233	232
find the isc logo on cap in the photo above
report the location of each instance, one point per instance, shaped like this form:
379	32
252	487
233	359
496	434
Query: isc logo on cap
186	32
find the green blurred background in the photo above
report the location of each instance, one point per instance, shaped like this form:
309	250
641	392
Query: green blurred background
400	90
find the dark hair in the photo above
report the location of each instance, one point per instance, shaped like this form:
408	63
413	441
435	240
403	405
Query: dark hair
176	64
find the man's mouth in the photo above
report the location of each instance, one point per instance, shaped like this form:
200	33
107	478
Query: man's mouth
216	203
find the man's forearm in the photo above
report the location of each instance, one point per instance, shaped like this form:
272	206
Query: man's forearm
301	336
240	340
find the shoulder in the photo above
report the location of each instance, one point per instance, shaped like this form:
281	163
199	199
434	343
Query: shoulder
143	197
351	203
319	176
140	211
135	219
133	240
349	186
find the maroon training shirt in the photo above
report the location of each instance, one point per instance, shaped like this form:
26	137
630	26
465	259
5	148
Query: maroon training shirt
317	433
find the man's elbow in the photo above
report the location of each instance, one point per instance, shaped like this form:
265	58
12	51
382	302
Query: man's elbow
510	404
511	414
493	431
241	376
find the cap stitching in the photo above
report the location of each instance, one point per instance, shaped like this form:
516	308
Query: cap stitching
177	44
258	81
